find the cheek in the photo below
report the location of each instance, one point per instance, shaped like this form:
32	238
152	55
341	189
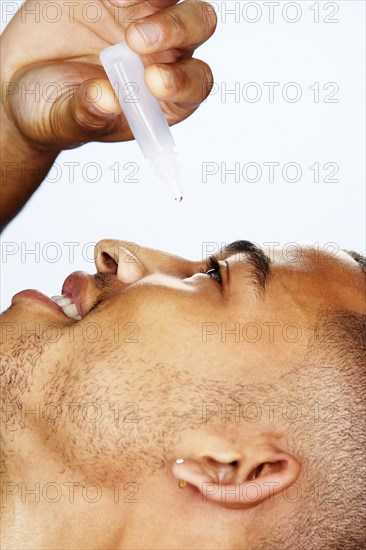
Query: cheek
147	313
157	324
116	395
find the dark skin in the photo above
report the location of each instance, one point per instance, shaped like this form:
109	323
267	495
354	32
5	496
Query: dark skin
163	370
172	355
35	131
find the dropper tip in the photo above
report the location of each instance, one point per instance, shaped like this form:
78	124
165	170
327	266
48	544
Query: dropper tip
179	199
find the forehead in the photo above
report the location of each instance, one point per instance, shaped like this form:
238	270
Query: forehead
313	257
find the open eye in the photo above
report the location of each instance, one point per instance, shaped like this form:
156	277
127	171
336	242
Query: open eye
213	269
256	472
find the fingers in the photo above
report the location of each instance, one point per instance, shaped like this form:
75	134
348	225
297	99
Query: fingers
183	25
87	113
184	82
158	4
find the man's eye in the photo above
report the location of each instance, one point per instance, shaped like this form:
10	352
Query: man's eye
213	270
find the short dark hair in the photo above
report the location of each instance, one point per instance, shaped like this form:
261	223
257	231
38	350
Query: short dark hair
331	515
361	260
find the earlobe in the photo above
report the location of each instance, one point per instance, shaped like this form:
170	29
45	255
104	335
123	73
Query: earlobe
238	485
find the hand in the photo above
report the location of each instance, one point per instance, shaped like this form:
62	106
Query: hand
60	61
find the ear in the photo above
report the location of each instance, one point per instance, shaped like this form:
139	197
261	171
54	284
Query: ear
241	483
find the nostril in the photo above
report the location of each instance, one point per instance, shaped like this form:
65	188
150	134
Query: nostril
109	262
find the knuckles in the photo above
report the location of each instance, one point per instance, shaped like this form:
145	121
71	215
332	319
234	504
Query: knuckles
173	28
193	81
194	18
204	12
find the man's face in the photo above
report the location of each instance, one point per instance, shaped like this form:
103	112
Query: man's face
164	346
248	300
155	326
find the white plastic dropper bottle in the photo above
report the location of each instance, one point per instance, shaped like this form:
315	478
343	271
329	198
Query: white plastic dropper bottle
144	115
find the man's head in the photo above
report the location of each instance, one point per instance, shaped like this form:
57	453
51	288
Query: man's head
250	366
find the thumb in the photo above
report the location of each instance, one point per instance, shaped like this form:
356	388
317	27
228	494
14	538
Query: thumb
87	112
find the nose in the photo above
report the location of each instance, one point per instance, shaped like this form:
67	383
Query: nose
117	258
130	261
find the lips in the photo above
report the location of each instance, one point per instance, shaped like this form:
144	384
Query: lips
76	296
34	296
79	296
81	292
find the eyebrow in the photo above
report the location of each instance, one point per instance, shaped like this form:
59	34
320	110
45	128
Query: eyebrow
261	263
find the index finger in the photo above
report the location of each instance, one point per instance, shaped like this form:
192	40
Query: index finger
183	25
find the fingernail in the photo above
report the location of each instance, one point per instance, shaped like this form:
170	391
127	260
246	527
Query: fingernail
167	77
104	109
147	34
159	80
104	101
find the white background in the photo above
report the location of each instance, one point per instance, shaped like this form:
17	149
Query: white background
226	129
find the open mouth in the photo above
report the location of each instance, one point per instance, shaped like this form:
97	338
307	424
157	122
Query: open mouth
80	294
77	296
68	307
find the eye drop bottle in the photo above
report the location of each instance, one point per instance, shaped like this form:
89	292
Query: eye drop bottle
142	110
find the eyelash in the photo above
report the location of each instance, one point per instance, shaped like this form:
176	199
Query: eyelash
213	266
